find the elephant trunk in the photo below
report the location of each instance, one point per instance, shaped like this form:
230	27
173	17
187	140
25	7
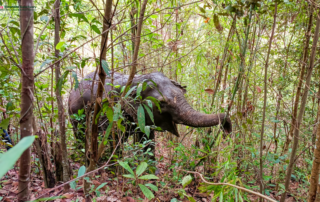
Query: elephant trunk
190	117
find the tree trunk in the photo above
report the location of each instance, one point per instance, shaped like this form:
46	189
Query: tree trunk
299	120
102	77
43	154
61	112
265	101
302	72
27	83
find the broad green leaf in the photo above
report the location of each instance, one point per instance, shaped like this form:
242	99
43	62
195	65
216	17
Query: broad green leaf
149	112
8	159
4	123
105	67
129	176
73	185
141	118
186	181
96	29
148	177
155	101
126	166
49	198
153	187
141	168
146	192
59	45
221	197
147	130
116	111
81	171
101	185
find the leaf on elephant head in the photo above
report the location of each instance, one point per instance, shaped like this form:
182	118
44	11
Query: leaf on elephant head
217	23
141	118
210	91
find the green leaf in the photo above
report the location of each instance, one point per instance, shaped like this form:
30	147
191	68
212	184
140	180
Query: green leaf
147	130
8	159
79	16
73	185
105	67
101	185
139	89
107	133
96	29
74	75
61	81
146	192
186	181
155	101
109	114
81	171
130	91
153	187
129	176
4	123
149	112
141	168
117	111
10	106
148	177
141	118
126	166
191	199
59	45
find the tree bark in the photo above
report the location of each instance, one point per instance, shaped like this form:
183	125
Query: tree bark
265	100
302	72
300	116
27	95
61	112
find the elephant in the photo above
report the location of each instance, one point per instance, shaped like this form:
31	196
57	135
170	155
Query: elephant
170	94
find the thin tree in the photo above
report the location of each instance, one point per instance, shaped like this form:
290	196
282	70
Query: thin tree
102	77
265	99
61	112
27	94
314	179
302	73
300	116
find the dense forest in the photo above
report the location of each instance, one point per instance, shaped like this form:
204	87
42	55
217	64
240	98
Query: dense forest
154	100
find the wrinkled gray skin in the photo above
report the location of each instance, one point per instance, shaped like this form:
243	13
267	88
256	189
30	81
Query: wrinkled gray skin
174	107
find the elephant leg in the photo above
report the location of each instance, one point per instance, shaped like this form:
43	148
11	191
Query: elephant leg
150	145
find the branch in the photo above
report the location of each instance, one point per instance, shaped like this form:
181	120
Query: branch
232	185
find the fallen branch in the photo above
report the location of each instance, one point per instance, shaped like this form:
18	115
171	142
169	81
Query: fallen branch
232	185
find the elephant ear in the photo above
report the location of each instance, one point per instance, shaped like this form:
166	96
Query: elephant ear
183	88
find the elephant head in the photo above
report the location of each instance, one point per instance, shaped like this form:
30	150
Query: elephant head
174	107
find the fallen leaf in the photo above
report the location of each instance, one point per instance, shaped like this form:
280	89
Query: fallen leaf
68	195
210	91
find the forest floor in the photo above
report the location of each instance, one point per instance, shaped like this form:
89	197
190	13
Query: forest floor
115	188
